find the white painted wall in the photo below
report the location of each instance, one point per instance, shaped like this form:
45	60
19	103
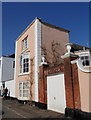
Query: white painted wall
7	69
7	74
56	99
0	88
11	87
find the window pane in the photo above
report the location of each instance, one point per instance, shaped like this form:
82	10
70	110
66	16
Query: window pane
82	57
26	70
21	60
86	57
24	42
26	65
24	60
25	95
20	95
87	63
27	59
20	85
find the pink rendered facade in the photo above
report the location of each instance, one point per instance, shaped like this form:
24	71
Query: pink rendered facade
39	36
84	83
84	74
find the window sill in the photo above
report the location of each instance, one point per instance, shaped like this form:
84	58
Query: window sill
87	66
23	74
24	50
23	98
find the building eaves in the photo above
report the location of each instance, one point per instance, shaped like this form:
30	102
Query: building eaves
56	27
10	56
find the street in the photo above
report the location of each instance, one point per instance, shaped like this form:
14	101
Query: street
13	109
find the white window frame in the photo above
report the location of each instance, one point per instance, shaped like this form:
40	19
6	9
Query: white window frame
22	97
21	63
25	43
84	55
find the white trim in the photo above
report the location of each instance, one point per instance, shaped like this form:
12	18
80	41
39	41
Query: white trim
66	55
74	61
27	73
15	67
80	66
37	54
1	68
23	43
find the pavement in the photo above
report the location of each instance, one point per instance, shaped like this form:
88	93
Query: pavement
12	109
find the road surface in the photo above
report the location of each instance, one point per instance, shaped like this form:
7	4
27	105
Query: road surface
13	109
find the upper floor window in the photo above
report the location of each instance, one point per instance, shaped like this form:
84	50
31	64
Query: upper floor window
24	63
25	43
86	60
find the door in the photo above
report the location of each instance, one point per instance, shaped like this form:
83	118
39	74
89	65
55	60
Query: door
56	100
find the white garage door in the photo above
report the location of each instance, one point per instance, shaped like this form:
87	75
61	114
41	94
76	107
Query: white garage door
56	100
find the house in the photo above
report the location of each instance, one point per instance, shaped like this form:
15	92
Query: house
65	88
49	75
7	64
39	38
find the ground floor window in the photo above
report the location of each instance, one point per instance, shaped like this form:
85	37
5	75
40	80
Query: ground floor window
24	89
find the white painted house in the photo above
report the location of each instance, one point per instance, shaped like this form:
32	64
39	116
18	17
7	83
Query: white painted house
7	64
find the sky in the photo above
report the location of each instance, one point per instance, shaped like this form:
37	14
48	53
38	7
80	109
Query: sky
16	16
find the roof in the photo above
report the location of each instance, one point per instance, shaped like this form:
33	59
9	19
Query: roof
10	56
76	47
56	27
50	25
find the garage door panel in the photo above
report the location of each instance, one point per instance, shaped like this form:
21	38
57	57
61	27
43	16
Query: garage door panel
56	93
50	95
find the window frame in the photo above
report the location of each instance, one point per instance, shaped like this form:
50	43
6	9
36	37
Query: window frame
24	46
84	59
21	64
21	91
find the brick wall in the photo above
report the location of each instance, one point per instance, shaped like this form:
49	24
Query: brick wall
71	82
44	71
